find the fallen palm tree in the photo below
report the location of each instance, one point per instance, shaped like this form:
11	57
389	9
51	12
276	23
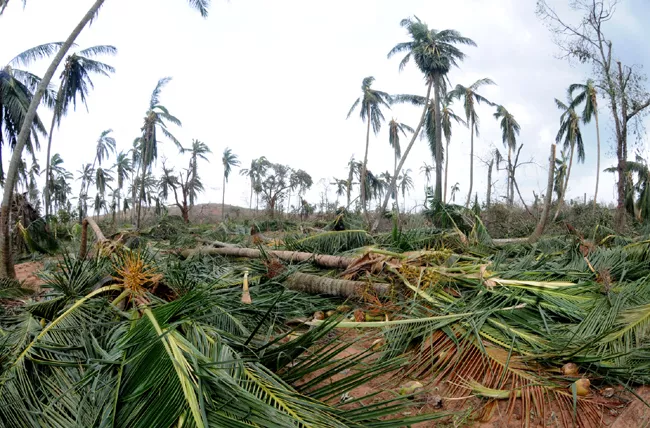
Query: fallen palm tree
315	284
327	261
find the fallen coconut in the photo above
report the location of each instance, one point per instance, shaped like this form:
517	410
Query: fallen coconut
582	387
570	369
411	387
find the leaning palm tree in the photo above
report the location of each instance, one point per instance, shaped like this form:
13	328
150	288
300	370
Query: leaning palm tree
587	94
571	137
75	81
155	123
229	160
435	54
394	129
7	267
509	131
16	92
471	98
371	102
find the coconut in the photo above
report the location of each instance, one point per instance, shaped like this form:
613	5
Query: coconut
319	315
330	313
411	387
343	308
582	387
570	369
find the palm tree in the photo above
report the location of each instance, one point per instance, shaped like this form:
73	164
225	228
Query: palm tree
229	160
455	189
371	102
426	169
471	98
199	150
569	132
16	93
560	175
75	81
354	167
447	116
405	185
123	167
587	94
509	131
394	129
254	174
155	122
434	54
7	269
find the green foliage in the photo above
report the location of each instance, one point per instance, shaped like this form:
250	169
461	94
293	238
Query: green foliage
332	242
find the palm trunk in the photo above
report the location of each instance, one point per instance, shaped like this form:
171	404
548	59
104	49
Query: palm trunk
7	268
223	199
438	143
250	200
405	155
446	170
488	196
46	191
566	184
395	186
509	195
471	164
597	159
541	225
364	166
141	196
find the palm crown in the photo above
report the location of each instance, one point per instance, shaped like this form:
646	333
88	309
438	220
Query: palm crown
371	102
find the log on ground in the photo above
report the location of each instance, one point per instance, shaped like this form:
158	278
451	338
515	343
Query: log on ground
314	284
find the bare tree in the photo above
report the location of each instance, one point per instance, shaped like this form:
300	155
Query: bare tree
622	86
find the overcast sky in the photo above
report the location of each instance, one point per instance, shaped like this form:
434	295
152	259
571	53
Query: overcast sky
278	78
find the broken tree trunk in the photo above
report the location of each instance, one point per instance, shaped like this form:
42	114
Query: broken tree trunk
315	284
334	262
541	225
99	235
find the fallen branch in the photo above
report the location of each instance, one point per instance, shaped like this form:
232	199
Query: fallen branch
334	262
315	284
217	244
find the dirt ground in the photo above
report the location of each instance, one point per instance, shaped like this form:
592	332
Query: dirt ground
26	273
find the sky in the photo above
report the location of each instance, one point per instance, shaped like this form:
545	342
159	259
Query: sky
277	79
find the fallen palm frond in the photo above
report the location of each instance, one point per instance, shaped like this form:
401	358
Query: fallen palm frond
332	242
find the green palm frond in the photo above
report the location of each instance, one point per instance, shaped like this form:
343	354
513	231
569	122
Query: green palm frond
333	242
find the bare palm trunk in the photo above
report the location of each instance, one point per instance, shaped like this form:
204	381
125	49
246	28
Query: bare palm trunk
223	199
364	166
566	184
141	196
250	200
541	225
471	164
597	159
509	194
405	155
446	170
46	191
438	143
7	268
488	196
395	186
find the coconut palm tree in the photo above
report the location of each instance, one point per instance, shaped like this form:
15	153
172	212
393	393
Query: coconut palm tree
434	53
75	81
394	129
229	160
16	93
354	167
155	123
405	184
509	131
471	98
587	94
571	137
198	150
560	174
123	167
427	169
371	102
